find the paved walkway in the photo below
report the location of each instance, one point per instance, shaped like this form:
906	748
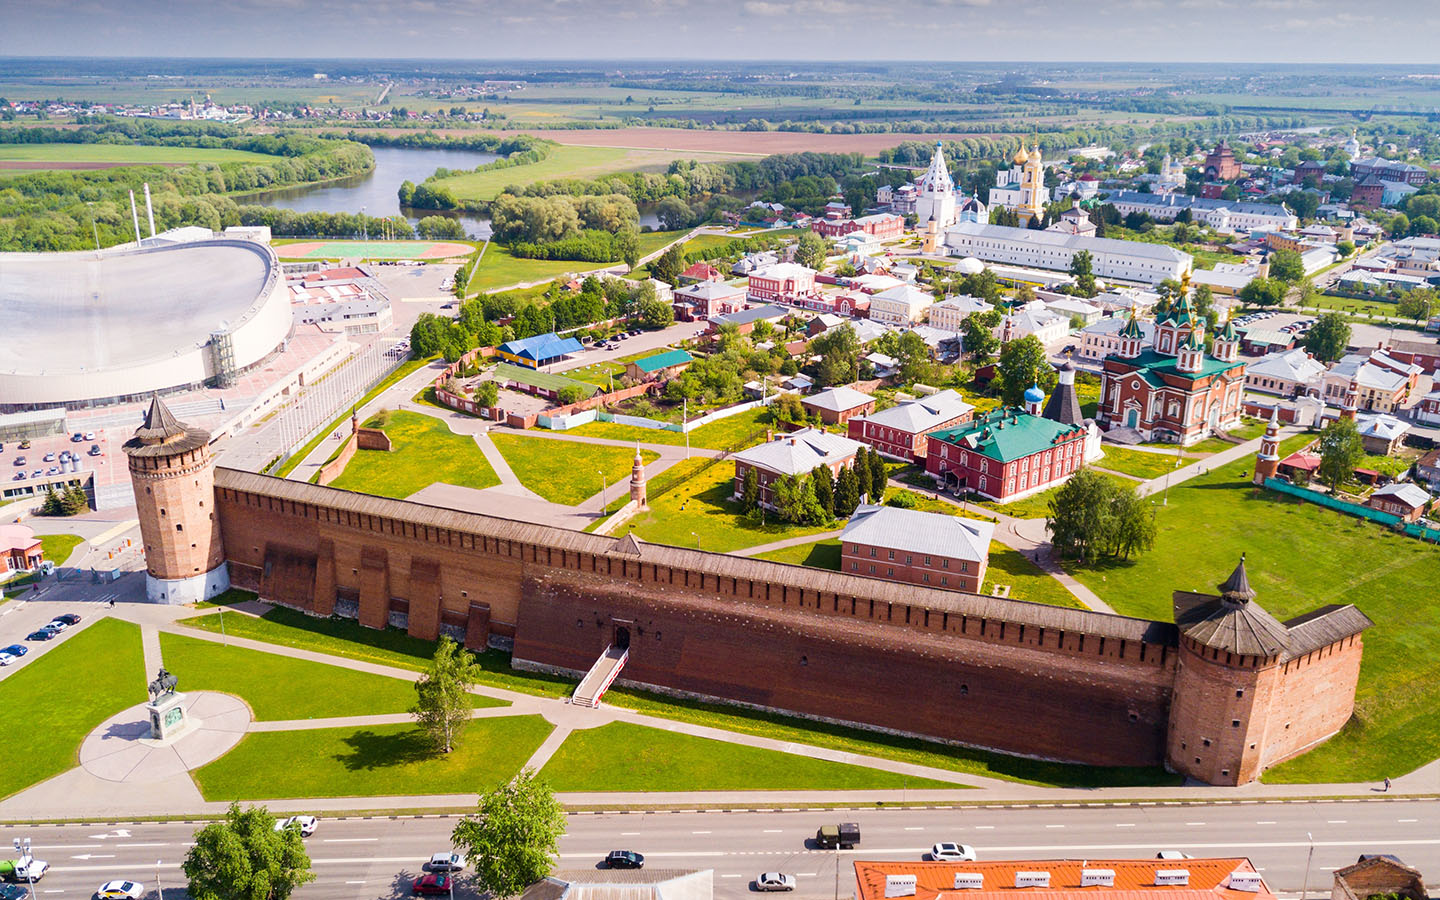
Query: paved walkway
787	542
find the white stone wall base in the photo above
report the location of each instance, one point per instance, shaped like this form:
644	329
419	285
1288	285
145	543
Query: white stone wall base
178	591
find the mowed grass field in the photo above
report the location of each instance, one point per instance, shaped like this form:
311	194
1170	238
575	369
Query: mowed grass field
499	269
100	156
371	762
659	760
1301	556
566	472
425	451
571	162
104	659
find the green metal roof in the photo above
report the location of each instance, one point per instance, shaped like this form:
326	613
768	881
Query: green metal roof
663	361
1008	434
534	378
1149	363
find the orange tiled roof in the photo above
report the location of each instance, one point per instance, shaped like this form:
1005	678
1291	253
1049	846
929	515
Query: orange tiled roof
1134	879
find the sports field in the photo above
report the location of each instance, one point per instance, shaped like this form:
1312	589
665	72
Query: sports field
372	250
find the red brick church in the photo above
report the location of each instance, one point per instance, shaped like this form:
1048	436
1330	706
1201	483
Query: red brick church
1173	390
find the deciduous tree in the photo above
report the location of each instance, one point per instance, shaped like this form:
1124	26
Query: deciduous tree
1417	304
1329	337
243	857
1287	266
514	836
1082	518
1023	362
810	250
1341	450
978	335
1081	266
442	703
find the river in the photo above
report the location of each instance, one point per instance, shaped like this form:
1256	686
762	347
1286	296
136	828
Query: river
377	192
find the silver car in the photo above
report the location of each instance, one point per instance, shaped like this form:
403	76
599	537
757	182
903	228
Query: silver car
774	881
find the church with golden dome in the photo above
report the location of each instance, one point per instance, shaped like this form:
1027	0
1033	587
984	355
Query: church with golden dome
1022	186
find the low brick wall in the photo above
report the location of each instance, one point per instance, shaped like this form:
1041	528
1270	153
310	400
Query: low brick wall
372	439
332	469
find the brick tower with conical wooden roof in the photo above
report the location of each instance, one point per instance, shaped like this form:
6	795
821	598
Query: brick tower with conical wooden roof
173	474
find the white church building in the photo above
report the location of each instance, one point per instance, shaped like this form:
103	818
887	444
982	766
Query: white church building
936	199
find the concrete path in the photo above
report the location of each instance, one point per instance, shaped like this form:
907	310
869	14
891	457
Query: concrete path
150	645
787	542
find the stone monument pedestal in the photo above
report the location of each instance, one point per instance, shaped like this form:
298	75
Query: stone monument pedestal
168	718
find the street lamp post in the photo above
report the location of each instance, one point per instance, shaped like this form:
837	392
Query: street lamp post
22	849
158	889
604	503
1305	891
1179	458
697	539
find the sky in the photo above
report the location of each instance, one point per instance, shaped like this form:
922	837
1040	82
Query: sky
1288	31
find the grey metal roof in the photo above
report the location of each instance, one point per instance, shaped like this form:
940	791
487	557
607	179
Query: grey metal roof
1075	242
799	451
1405	492
723	565
745	316
913	531
838	399
1185	201
922	413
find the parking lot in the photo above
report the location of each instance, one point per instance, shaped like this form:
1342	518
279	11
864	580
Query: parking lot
29	470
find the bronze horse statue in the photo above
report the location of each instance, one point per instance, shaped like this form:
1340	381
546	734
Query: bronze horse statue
164	683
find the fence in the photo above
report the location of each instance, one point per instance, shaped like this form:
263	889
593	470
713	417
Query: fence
1410	529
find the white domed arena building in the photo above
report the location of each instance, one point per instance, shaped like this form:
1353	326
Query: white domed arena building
95	328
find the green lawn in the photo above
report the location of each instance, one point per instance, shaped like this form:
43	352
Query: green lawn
1302	556
425	451
1035	506
567	161
1136	462
1354	306
105	662
279	687
1027	581
659	760
741	429
1248	429
384	760
1206	447
58	547
566	472
499	269
102	155
702	506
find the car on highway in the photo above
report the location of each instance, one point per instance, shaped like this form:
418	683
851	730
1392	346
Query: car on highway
13	892
949	851
624	859
306	824
43	634
444	861
64	621
30	870
774	881
845	835
121	890
434	883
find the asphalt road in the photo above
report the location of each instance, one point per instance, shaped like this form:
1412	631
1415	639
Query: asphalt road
361	859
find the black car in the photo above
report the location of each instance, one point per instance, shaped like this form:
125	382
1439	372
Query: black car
624	859
67	619
44	634
12	892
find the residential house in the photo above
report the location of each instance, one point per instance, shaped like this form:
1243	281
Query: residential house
1425	354
882	226
797	453
1101	339
914	547
1288	373
1033	318
1381	384
1378	875
698	302
789	283
884	366
823	323
1427	467
901	305
701	271
838	405
951	312
1074	221
20	550
1074	309
1400	498
660	366
902	431
745	319
1427	411
1268	341
1006	454
1381	434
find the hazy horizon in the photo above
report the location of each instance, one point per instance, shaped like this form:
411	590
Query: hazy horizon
940	31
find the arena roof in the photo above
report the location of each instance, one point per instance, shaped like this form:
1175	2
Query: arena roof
129	320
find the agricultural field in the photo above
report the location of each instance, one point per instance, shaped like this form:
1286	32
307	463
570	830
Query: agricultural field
18	159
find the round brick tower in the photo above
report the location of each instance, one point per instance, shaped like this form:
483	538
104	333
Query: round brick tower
173	475
1267	463
637	481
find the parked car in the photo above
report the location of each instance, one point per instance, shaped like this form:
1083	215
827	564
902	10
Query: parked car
16	650
434	883
624	859
77	437
13	892
444	861
49	457
845	835
65	620
306	824
94	450
25	445
42	634
30	870
949	851
774	881
121	890
19	461
89	435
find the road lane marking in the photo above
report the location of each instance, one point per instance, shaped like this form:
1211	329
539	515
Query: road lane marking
354	882
629	833
1124	824
139	845
777	830
1054	826
984	827
805	875
729	876
1334	821
1265	823
699	832
915	828
97	846
343	840
1194	824
1407	820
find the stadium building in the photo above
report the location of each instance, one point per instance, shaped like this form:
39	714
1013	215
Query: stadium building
96	328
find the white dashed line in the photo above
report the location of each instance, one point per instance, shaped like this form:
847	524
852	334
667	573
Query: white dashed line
1194	824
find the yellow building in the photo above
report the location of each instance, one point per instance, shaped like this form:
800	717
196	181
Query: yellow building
1032	185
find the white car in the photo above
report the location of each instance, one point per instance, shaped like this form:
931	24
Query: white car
1171	854
774	881
30	870
949	851
7	658
445	861
307	824
121	890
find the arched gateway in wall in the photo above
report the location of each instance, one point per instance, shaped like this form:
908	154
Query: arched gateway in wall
1017	677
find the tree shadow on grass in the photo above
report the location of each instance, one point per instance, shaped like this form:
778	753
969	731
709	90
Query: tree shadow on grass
372	750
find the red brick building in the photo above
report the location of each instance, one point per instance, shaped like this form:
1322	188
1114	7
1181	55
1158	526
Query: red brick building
20	549
1220	164
1006	454
885	226
1403	499
1173	390
1369	193
701	272
788	283
901	431
936	550
698	302
797	453
838	405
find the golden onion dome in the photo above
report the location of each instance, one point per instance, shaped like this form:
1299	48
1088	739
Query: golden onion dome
1020	156
1035	154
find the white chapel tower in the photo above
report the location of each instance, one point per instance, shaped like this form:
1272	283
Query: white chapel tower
937	195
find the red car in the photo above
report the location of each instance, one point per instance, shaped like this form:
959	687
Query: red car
434	883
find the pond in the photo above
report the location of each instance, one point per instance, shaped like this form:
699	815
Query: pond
377	192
